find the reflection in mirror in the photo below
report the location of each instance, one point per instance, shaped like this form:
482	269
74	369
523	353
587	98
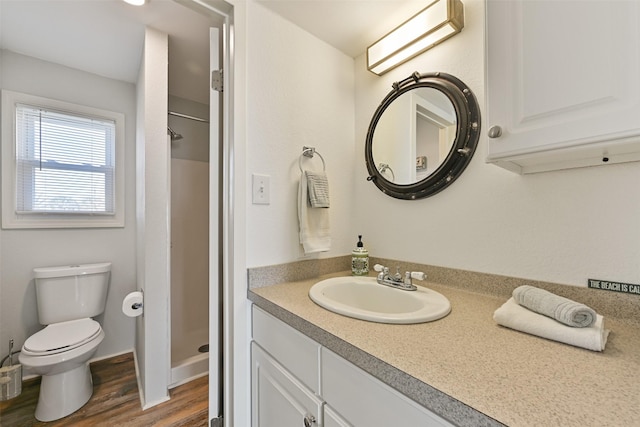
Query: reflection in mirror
422	135
414	136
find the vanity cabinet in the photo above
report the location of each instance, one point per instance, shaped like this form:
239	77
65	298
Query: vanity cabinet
562	83
297	382
284	375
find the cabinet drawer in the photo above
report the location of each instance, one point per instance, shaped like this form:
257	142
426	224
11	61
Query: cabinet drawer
292	349
365	401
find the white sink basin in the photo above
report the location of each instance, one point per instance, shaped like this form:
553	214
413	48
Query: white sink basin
363	298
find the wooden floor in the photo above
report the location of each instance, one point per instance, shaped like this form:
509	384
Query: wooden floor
115	402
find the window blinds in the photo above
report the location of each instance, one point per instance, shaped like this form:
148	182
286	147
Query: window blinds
65	163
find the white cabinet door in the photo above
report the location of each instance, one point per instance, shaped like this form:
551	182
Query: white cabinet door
277	398
563	83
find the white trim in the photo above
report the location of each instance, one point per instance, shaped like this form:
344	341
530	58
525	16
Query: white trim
227	11
138	378
11	219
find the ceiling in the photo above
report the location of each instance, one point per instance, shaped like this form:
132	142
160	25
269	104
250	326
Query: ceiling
105	37
348	25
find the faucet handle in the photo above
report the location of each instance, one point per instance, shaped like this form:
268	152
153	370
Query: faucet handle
379	267
418	275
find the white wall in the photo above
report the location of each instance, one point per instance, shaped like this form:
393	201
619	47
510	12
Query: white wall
23	250
290	90
301	93
562	227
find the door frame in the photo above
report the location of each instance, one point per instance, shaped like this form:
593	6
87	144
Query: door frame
221	403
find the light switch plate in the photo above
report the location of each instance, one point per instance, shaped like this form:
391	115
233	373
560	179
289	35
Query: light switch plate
260	189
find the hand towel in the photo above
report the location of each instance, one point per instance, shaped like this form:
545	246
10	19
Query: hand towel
318	189
514	316
314	222
564	310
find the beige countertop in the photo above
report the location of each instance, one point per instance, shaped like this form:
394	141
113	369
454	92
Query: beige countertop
472	371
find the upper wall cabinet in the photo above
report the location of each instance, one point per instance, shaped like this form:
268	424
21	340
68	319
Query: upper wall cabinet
563	83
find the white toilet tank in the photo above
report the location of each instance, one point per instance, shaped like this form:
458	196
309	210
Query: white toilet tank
71	292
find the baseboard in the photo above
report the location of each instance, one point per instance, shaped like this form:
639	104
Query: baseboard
157	402
140	388
143	401
98	359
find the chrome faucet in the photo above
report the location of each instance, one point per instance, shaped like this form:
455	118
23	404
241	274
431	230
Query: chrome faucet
396	280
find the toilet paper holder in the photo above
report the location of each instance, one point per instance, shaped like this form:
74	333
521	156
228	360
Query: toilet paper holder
133	304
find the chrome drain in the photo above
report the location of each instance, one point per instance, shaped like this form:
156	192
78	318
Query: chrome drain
204	348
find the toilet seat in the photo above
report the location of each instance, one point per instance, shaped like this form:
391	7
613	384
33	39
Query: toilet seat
60	337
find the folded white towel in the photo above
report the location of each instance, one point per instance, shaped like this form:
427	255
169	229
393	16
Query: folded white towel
562	309
514	316
314	223
318	189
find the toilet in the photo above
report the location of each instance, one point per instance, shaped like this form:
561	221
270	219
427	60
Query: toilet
67	298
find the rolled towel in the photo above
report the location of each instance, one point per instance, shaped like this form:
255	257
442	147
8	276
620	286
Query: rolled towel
318	189
562	309
519	318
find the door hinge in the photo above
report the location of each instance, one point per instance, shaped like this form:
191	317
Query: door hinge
217	80
217	422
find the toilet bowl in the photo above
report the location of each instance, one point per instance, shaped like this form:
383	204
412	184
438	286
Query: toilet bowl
62	368
67	299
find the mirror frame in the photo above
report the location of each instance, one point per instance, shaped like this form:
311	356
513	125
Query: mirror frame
463	147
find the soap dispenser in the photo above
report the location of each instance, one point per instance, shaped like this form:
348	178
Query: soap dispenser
360	259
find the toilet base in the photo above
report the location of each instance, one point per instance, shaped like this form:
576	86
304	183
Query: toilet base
64	393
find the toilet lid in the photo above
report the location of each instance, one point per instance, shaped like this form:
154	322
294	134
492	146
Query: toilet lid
62	336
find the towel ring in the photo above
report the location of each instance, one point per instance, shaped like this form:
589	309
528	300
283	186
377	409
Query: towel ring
383	167
309	152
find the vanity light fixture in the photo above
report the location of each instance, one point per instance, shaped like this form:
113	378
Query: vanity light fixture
135	2
434	24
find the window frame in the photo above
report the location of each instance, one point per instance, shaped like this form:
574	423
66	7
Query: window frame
10	217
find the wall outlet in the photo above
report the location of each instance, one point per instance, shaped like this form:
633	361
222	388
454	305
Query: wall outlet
260	189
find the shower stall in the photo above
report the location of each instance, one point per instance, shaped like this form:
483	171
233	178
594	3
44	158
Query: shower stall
180	201
188	132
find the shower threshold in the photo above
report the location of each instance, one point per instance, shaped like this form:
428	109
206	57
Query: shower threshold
189	369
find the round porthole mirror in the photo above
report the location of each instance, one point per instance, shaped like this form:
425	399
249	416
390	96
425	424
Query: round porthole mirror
422	136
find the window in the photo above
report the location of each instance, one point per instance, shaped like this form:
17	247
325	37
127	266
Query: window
64	162
60	164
